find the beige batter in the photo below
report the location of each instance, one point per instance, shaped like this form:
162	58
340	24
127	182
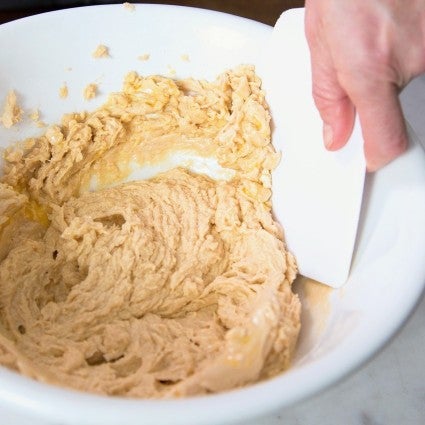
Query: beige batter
174	286
12	112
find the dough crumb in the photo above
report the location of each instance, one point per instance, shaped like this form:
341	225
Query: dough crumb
90	91
12	113
171	71
63	91
35	117
101	51
129	6
144	57
185	58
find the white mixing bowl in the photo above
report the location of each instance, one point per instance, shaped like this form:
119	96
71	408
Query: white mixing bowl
340	332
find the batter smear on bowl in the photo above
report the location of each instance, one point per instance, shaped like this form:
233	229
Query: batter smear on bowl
172	286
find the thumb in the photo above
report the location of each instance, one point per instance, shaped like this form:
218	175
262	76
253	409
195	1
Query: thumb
335	107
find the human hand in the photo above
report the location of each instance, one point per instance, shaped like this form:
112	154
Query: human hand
363	53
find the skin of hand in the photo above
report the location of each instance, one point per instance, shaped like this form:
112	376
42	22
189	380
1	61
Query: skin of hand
363	52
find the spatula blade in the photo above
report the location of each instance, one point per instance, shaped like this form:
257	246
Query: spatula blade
317	194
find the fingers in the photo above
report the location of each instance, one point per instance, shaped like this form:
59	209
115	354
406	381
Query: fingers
362	73
378	106
383	126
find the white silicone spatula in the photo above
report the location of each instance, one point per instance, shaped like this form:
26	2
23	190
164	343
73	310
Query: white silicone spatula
317	194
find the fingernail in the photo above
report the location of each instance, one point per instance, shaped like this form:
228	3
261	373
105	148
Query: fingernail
371	167
327	135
